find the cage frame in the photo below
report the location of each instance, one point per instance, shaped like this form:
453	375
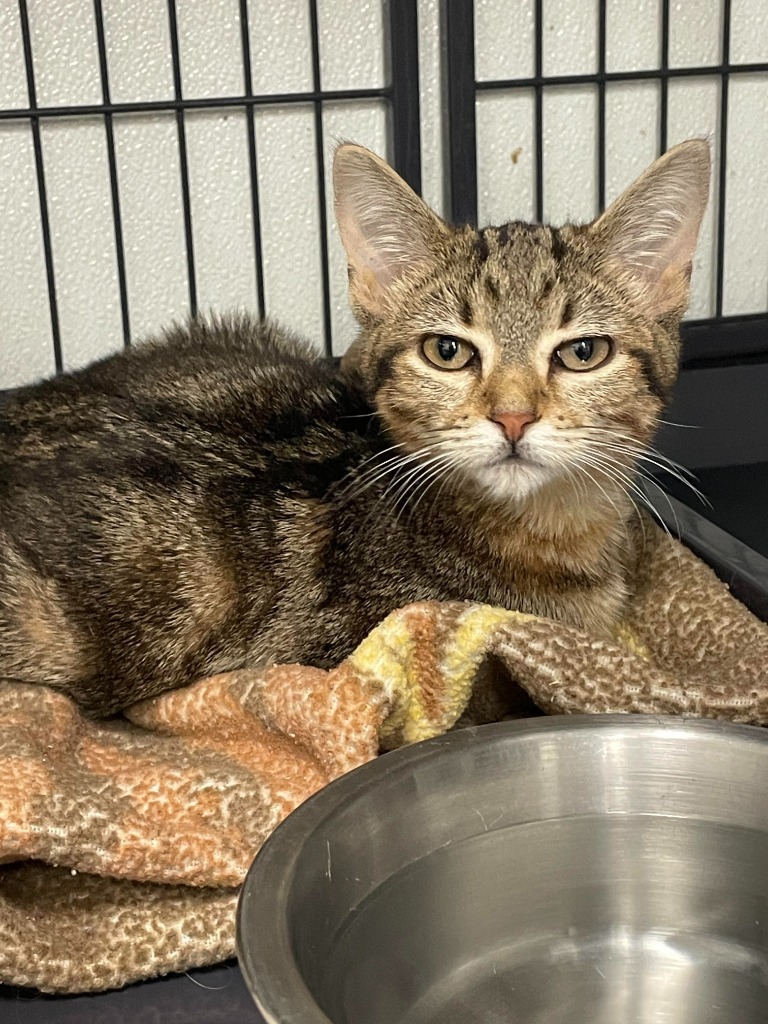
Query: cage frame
401	94
716	340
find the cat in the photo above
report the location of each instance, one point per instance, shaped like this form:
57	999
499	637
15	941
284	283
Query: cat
224	497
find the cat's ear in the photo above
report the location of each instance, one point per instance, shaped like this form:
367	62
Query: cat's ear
648	235
386	229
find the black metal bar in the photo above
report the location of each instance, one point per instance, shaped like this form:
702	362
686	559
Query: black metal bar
344	95
252	165
183	158
41	189
641	75
664	83
724	58
402	31
321	192
538	28
198	103
458	42
601	48
113	182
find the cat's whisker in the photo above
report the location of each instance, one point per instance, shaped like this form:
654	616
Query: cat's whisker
376	474
685	426
404	486
401	504
414	480
618	473
689	474
412	464
380	471
363	483
647	453
398	464
647	449
664	461
455	470
629	495
687	483
645	498
654	483
443	470
454	467
578	481
671	508
376	455
412	461
623	481
615	470
589	458
599	486
666	466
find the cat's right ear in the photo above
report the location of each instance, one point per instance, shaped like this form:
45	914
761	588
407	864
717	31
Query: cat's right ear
386	229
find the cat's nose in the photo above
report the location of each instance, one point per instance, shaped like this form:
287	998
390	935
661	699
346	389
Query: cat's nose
513	423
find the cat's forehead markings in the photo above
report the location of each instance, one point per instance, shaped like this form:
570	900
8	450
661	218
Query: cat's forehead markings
504	237
559	245
492	288
481	245
562	324
546	290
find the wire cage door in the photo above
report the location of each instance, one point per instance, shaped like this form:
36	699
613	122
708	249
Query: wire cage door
166	156
630	98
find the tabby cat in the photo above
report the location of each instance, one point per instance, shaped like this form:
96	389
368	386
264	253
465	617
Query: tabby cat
224	497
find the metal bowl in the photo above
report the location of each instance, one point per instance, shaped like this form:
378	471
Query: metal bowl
575	870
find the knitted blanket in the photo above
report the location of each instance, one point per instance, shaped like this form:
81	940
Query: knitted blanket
123	842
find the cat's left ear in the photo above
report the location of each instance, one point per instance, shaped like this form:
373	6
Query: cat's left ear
386	229
648	235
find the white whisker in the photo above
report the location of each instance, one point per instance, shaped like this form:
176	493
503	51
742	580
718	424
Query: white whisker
685	426
609	468
663	466
624	444
431	468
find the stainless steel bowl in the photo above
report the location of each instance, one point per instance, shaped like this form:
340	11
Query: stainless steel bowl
591	870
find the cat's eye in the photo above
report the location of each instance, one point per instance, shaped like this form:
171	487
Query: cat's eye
583	353
448	353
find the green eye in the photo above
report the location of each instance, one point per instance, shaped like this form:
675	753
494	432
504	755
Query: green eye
583	353
448	353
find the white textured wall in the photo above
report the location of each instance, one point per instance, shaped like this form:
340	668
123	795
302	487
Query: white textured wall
352	48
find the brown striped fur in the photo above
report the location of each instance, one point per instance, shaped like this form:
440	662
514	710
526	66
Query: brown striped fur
222	497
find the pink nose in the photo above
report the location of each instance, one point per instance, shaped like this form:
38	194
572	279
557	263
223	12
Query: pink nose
513	423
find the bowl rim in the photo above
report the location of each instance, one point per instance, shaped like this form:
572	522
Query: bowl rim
267	963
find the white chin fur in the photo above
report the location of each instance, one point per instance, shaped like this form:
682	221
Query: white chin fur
513	479
501	477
